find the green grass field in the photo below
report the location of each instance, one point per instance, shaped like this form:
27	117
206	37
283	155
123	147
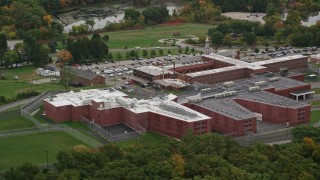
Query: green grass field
148	138
31	148
316	103
150	35
315	116
15	123
24	73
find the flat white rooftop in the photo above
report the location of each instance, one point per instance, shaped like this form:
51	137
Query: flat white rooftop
83	97
112	98
153	70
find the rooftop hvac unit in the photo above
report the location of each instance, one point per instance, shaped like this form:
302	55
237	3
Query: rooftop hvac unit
205	90
224	94
260	83
273	79
254	88
228	84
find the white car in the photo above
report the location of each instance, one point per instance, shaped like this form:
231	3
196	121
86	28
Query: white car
111	75
119	74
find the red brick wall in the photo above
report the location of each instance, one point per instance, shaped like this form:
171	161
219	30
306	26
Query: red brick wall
225	124
58	114
286	92
93	82
300	63
277	114
298	77
221	76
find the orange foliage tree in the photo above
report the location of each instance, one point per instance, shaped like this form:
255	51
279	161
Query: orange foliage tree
64	56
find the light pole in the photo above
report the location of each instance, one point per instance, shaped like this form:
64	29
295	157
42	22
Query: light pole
47	158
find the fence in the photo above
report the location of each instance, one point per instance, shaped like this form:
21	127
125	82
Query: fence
9	114
275	136
106	134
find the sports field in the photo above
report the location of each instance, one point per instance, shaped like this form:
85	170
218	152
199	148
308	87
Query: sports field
32	148
150	35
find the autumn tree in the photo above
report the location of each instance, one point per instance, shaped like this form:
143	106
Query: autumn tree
64	56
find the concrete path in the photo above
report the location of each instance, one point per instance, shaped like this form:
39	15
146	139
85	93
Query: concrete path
41	81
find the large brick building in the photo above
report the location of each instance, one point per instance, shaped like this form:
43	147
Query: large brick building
229	108
214	68
107	107
236	106
82	77
232	97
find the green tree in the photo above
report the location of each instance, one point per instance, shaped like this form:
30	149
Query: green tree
133	54
53	46
250	38
187	50
217	38
153	53
110	56
278	36
119	56
160	52
192	50
144	53
90	23
131	14
10	57
227	40
179	50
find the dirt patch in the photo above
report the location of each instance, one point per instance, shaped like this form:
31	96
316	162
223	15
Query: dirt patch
176	22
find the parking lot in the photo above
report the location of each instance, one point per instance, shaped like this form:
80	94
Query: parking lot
277	52
119	73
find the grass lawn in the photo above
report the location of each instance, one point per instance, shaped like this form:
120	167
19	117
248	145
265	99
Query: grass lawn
317	90
316	103
10	88
15	123
315	116
150	35
24	72
31	148
148	138
77	125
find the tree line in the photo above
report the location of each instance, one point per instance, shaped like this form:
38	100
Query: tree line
209	156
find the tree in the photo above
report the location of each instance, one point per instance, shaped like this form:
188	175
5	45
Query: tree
64	56
179	50
53	46
187	50
153	53
110	56
131	14
132	53
160	52
192	50
90	23
217	38
38	55
278	36
106	37
250	38
96	36
227	40
10	57
119	56
144	53
3	41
